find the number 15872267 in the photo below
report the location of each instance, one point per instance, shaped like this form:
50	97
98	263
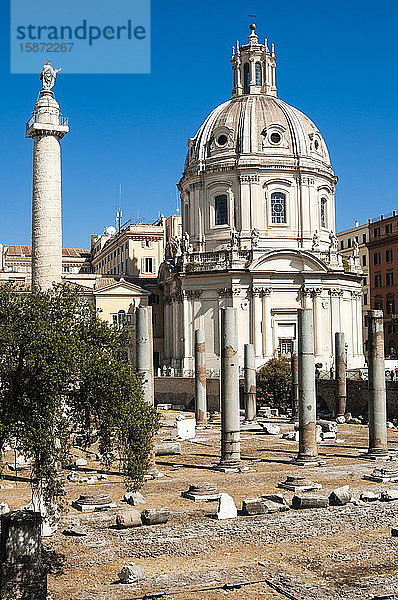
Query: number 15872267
46	47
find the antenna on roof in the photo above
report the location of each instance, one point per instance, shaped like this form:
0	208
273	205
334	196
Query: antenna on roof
119	212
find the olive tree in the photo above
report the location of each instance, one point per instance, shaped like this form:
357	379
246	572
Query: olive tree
63	369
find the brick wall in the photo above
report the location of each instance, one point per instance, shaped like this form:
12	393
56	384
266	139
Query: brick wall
181	390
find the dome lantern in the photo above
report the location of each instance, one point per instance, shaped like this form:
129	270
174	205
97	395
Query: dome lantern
253	67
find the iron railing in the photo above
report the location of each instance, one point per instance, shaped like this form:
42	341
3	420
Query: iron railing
35	119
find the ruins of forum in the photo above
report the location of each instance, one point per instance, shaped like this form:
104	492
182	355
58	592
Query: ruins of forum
81	32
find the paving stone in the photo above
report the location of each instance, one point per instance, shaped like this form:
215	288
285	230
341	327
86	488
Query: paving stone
131	574
80	462
155	516
168	449
226	507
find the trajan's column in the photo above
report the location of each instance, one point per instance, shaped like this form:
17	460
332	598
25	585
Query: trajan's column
46	127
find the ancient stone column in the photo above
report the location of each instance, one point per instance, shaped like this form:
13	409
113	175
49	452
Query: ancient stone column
46	127
294	379
377	386
22	576
250	383
340	369
200	378
230	425
308	451
144	353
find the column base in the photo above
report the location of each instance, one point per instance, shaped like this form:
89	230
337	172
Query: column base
371	455
307	462
232	466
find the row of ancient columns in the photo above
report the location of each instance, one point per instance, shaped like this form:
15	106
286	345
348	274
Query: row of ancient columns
303	382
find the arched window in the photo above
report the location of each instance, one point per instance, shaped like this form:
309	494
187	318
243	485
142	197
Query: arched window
324	212
235	80
259	78
246	78
278	207
220	209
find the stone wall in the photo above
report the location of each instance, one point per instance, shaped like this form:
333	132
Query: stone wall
357	397
181	390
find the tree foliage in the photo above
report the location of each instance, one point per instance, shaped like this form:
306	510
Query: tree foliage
63	369
274	382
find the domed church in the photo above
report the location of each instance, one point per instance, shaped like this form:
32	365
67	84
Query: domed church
257	200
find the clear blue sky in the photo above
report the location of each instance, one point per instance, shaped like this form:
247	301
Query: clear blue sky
337	62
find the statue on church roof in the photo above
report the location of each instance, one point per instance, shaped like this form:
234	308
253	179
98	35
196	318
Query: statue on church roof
315	242
254	237
48	75
334	242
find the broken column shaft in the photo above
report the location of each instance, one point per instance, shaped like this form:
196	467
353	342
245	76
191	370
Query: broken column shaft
250	383
230	425
144	355
340	367
377	385
308	451
200	378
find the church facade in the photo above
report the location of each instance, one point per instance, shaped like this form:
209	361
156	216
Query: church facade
257	202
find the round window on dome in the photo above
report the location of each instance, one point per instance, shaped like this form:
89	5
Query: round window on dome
275	137
222	140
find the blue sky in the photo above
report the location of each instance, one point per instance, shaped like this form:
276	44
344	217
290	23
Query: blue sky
337	62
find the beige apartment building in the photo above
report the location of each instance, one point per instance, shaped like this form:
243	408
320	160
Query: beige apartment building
118	274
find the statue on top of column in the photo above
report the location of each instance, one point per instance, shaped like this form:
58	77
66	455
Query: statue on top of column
48	75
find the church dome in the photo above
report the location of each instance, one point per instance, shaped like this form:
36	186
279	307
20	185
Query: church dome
260	125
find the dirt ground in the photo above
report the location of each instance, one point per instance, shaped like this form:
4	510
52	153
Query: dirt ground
344	553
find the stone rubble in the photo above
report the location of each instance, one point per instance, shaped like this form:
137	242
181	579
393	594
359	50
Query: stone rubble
226	507
134	498
131	574
128	518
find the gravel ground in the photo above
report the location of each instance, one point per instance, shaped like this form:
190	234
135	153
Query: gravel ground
335	553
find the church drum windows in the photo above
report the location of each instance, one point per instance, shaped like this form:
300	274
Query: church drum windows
278	208
259	79
324	213
220	210
246	78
